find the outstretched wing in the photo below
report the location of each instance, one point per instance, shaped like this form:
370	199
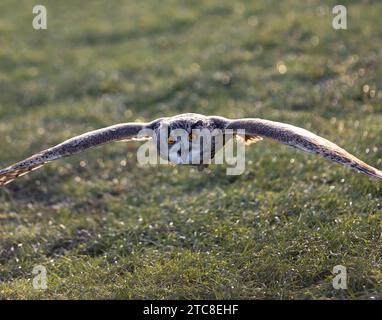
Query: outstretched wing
304	140
119	132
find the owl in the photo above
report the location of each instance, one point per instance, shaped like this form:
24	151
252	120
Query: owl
177	141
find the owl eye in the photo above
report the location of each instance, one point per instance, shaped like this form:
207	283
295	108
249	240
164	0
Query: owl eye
170	140
191	136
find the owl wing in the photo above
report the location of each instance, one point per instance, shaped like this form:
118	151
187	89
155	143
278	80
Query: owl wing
119	132
304	140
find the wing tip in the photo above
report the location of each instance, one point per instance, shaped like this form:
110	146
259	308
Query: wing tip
378	174
10	174
368	170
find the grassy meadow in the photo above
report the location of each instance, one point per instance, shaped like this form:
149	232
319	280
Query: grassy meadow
105	227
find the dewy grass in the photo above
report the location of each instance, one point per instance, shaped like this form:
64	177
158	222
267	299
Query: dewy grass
104	227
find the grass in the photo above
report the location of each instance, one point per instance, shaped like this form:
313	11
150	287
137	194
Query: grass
106	228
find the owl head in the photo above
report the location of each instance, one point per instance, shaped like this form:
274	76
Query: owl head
192	140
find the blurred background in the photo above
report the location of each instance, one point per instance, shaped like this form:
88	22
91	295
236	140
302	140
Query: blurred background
106	228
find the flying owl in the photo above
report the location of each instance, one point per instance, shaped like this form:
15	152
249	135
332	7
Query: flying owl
255	130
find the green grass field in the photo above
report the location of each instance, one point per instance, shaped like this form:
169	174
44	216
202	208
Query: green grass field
104	227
